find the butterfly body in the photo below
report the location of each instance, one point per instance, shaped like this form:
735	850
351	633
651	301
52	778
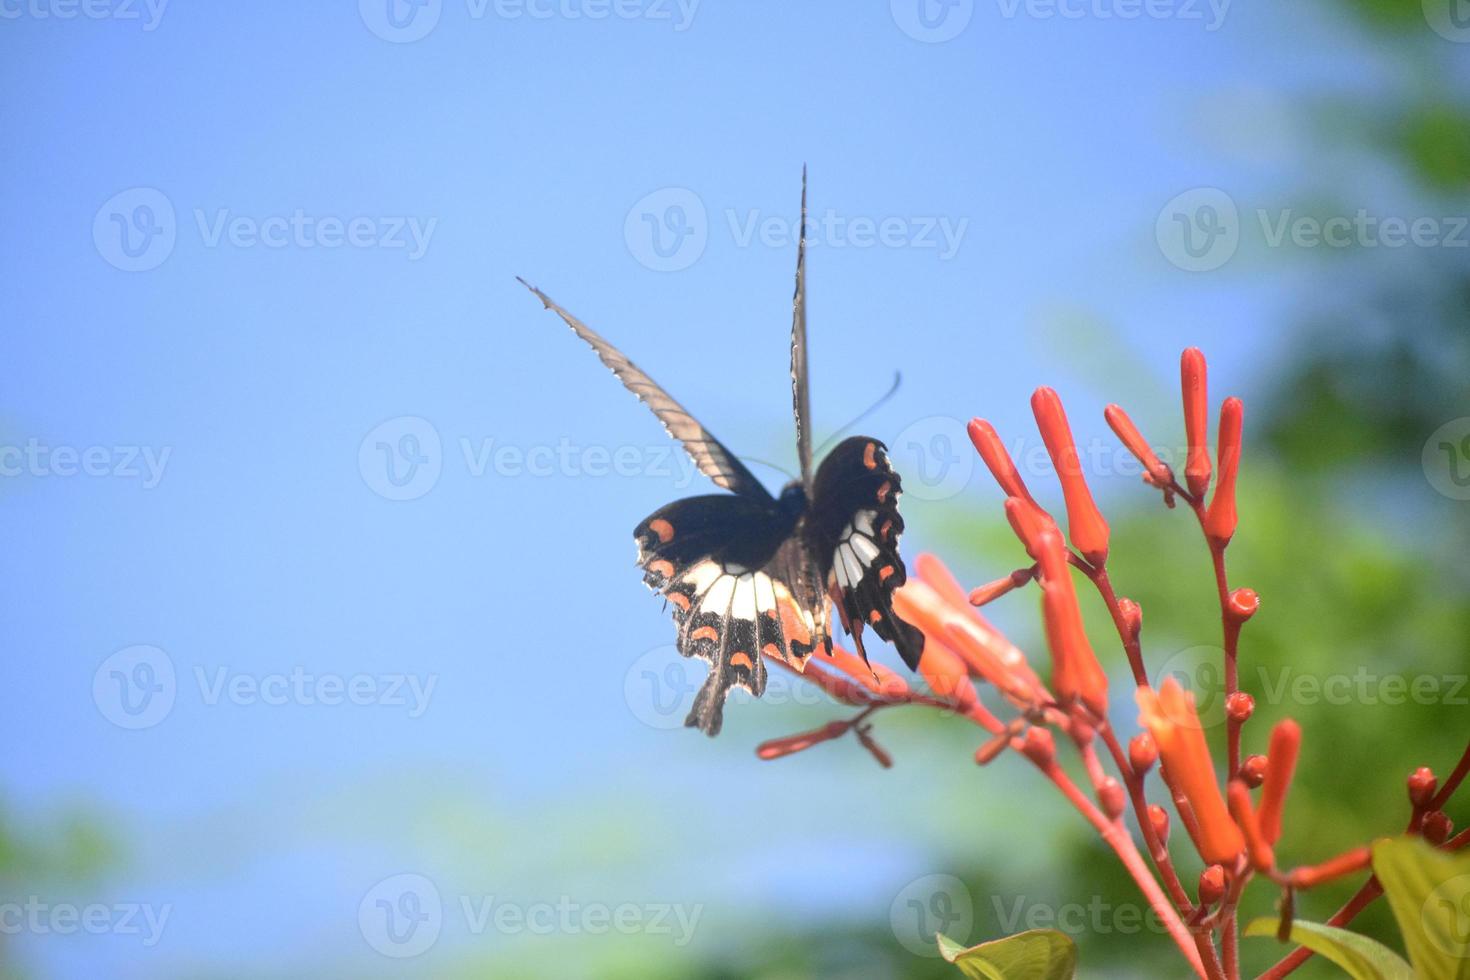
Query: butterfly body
747	575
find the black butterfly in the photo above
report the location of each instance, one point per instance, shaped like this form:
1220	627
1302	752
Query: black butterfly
749	574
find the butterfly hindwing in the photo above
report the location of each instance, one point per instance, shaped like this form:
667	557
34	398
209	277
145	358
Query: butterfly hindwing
730	569
853	530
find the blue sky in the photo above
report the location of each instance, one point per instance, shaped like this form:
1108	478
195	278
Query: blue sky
323	220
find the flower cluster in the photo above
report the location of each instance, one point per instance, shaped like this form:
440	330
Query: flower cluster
1234	823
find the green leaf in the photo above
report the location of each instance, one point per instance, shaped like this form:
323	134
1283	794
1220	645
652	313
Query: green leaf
1039	954
1429	892
1360	957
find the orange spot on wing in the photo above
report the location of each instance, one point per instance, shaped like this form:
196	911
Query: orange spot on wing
662	567
663	529
771	650
679	599
742	659
886	528
875	616
705	633
870	456
885	572
883	491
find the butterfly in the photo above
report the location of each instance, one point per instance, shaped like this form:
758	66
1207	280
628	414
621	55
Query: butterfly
749	575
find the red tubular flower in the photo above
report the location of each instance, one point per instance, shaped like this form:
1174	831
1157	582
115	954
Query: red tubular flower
791	744
1192	380
993	451
1076	673
1170	716
1286	742
1156	471
1261	856
1344	864
1040	747
1029	522
991	591
1220	519
1085	523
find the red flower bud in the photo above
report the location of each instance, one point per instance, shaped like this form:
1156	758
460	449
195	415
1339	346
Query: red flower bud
1422	784
1243	604
1344	864
1132	615
1286	742
1076	673
992	591
1142	752
993	451
1253	770
1159	817
1437	827
778	747
1211	885
1220	520
1158	473
1239	707
1085	524
1029	522
1192	381
1040	747
1112	798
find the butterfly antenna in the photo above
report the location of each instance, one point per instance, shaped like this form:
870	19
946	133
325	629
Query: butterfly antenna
893	390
